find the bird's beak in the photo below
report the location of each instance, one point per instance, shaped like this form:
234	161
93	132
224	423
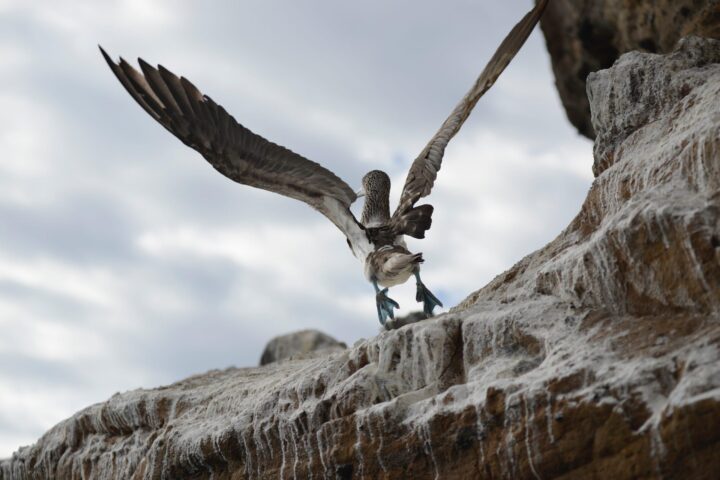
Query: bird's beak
360	193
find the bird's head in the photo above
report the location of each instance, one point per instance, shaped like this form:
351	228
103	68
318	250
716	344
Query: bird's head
375	183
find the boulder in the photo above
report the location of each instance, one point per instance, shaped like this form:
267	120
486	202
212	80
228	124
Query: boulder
299	344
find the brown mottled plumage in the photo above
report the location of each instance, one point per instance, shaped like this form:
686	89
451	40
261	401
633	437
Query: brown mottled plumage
376	187
247	158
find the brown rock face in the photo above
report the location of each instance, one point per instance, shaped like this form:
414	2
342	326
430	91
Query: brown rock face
585	36
596	357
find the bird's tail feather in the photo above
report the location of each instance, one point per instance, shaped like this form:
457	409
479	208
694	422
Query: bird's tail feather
417	258
402	262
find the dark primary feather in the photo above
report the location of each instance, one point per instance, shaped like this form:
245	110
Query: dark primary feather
423	171
232	149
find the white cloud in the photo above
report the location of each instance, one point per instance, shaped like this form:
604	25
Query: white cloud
48	339
15	58
287	253
82	19
85	284
25	157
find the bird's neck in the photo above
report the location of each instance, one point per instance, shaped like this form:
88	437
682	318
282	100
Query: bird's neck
376	211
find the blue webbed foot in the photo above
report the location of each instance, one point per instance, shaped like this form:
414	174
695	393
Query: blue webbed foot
385	305
430	301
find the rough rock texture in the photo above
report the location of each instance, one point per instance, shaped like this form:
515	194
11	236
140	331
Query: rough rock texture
596	357
584	36
304	343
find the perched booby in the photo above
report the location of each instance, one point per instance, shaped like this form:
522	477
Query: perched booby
247	158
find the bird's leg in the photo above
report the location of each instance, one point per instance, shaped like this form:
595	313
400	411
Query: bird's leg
385	304
424	295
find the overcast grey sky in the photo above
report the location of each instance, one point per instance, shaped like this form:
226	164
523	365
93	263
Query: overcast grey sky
126	261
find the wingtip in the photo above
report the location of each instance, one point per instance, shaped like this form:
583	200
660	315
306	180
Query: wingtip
145	66
165	73
105	55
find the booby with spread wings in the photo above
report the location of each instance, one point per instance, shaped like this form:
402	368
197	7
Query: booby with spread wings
377	240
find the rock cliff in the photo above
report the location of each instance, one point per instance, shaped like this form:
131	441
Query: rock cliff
584	36
597	356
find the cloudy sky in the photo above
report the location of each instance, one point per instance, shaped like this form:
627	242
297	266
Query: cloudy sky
126	261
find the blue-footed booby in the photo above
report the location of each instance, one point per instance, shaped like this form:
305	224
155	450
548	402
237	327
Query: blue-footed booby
377	240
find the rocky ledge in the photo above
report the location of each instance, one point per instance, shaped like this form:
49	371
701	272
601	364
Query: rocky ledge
597	356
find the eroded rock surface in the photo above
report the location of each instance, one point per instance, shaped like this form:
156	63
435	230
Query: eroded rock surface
595	357
585	36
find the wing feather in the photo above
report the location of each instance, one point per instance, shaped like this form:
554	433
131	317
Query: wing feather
423	171
232	149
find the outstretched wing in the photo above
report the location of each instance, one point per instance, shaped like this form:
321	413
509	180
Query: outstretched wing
232	149
423	170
